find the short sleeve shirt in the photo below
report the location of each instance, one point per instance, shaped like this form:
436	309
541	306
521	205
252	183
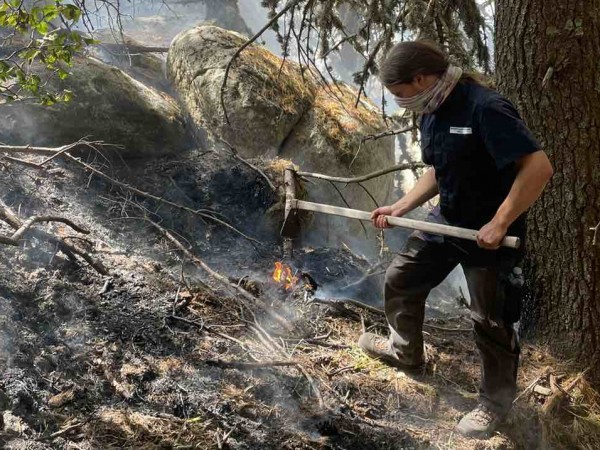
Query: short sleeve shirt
473	141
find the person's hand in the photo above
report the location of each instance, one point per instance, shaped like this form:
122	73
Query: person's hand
378	216
491	235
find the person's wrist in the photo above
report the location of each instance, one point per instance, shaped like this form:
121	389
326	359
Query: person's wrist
400	208
501	222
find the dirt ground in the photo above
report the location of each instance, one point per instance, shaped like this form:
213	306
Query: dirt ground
157	355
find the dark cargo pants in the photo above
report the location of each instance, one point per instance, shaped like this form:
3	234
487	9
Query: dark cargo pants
424	264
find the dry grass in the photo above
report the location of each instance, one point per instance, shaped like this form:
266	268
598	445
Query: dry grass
276	167
575	420
343	125
125	429
278	82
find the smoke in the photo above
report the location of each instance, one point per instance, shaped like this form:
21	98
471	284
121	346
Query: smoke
152	23
7	333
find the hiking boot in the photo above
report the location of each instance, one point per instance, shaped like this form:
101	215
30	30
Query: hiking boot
380	348
479	423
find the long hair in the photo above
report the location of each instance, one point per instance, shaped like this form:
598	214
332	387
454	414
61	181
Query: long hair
408	59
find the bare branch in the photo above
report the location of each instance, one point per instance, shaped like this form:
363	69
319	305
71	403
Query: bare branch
378	173
236	155
30	150
362	186
348	206
374	137
70	250
37	219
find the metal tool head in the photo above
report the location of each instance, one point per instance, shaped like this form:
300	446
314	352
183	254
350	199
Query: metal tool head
291	224
291	220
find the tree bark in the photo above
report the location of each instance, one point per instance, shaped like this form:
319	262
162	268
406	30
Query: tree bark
548	64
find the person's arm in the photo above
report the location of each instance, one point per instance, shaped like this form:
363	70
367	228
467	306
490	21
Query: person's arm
534	171
425	189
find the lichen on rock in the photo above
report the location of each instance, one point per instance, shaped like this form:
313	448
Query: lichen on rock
265	96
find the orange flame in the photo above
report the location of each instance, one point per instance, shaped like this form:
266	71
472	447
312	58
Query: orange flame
283	275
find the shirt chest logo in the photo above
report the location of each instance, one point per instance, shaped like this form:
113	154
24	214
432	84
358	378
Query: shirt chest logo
461	130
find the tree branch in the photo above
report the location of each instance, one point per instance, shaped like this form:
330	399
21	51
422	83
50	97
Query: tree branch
378	173
374	137
21	227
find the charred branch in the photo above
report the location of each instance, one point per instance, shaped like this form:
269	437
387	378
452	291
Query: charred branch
63	152
20	227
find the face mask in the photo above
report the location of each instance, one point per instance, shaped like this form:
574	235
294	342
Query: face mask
430	99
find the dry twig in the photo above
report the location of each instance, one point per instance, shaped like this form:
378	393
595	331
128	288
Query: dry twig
20	227
63	151
236	155
232	287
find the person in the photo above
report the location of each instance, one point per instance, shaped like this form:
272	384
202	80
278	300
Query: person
488	169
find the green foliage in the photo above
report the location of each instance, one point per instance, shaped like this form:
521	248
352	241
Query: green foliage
40	36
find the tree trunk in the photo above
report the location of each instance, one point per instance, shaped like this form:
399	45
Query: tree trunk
548	64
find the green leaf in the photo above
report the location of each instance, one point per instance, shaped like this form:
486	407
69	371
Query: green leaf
42	27
62	74
50	12
71	12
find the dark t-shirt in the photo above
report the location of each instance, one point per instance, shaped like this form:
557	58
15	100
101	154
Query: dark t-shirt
473	141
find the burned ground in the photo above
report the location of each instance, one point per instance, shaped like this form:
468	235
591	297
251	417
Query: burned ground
158	355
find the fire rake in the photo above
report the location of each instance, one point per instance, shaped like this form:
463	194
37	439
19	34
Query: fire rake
293	206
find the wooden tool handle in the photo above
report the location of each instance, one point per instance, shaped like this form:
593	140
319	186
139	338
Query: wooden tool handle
428	227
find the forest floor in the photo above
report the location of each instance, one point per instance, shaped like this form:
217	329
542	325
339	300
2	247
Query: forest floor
155	356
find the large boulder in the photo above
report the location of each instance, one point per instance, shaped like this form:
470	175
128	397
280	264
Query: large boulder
276	110
132	56
264	99
107	105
